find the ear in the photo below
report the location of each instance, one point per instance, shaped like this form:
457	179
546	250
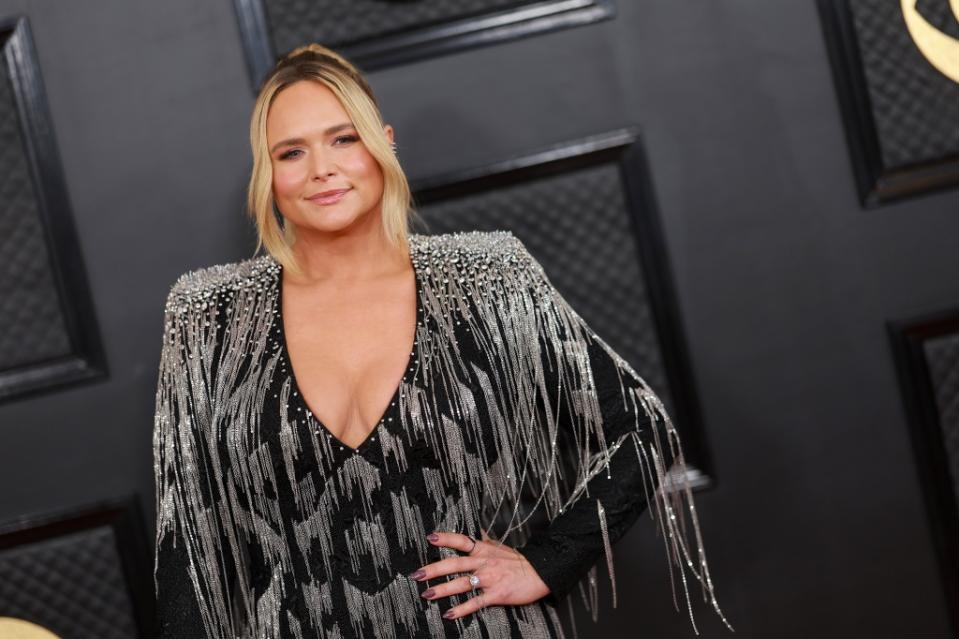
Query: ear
388	129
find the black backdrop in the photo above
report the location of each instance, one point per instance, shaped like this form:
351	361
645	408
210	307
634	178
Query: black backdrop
816	527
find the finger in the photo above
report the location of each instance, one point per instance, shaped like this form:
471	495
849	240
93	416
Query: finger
447	566
462	584
456	541
452	587
483	535
471	605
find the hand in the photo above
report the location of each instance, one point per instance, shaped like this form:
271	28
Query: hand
506	578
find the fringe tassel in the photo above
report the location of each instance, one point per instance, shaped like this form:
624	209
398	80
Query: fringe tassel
672	501
608	547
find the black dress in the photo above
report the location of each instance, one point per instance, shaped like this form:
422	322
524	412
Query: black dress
512	417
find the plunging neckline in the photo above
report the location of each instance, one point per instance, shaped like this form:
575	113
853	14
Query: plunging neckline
409	370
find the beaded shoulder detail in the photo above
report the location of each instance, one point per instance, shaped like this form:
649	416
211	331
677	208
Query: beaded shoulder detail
476	260
476	244
203	283
476	249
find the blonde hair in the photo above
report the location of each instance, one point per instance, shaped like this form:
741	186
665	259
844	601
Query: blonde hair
319	64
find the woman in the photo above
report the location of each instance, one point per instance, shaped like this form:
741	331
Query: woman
315	480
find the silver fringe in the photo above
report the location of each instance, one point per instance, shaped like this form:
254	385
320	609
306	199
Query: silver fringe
217	366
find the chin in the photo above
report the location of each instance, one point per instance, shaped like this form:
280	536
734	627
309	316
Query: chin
330	219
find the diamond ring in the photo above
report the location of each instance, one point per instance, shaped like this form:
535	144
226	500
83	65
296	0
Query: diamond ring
474	581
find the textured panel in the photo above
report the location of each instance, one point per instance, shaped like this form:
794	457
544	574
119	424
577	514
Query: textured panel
333	22
942	358
915	107
576	223
32	326
72	585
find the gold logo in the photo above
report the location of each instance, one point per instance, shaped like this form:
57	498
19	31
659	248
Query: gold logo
11	628
940	49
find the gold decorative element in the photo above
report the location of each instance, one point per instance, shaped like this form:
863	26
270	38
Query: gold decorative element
12	628
940	49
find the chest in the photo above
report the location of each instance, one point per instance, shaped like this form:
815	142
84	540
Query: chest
349	348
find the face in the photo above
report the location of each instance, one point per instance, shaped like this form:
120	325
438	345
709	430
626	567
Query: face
315	148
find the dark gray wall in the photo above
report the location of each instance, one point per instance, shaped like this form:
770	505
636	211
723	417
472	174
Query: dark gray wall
817	527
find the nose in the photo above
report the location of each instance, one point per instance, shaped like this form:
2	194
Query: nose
323	166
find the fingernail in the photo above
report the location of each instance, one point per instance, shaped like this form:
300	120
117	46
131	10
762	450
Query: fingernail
449	614
418	574
428	594
433	537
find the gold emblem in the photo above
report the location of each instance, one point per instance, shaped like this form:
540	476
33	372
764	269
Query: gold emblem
11	628
940	49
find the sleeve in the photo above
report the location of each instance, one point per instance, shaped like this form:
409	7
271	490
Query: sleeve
196	549
622	453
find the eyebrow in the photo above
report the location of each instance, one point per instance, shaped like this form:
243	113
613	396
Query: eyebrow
330	131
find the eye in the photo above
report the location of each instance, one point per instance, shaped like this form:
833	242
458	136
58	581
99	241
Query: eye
348	138
289	153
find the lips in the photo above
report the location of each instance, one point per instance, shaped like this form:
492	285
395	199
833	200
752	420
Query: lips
329	197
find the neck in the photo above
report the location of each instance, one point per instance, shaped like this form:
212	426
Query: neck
355	255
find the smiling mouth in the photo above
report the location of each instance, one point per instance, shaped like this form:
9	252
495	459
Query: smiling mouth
330	198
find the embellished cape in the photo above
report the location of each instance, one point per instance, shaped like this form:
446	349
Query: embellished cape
513	418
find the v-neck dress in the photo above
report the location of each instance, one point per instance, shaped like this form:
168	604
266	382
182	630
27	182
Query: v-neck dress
389	412
513	417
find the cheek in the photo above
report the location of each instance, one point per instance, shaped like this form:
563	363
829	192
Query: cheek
367	169
287	180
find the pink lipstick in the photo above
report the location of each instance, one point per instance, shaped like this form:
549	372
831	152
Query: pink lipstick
329	197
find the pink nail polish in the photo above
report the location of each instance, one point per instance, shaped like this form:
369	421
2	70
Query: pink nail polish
449	614
429	593
433	537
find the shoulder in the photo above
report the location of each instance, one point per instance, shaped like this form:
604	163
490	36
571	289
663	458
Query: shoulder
209	282
470	248
471	263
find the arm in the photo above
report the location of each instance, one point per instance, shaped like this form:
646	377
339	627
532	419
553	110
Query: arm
625	454
195	569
